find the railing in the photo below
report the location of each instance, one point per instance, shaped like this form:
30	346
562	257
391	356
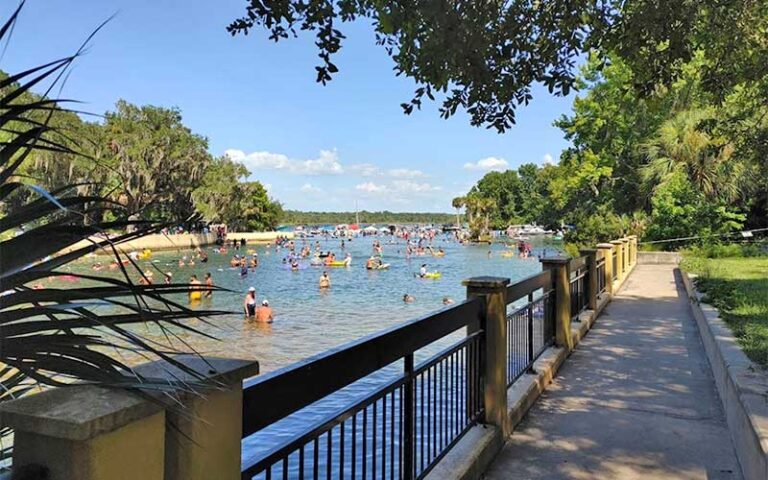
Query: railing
579	278
530	327
615	270
600	267
401	430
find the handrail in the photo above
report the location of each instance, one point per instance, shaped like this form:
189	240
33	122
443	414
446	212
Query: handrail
280	393
529	285
577	263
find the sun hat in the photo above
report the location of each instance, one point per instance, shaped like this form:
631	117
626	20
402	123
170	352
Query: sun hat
252	289
265	302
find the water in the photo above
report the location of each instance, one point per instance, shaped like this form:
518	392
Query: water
309	321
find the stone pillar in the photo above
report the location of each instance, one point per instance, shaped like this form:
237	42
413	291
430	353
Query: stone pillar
591	255
632	249
618	247
206	439
606	251
626	254
88	433
562	287
94	433
494	290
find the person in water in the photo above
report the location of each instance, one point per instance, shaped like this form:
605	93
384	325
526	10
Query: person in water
325	281
209	284
264	313
448	301
408	298
249	305
168	278
423	270
194	292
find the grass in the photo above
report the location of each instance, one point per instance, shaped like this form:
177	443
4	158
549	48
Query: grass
738	288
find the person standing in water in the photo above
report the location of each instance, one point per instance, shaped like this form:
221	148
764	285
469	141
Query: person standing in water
194	289
325	281
209	284
249	304
264	313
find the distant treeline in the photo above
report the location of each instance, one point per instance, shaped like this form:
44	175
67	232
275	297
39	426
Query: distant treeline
293	217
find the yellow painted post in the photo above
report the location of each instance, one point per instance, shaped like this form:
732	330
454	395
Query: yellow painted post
618	247
633	249
206	439
626	256
88	433
606	250
591	254
562	286
494	290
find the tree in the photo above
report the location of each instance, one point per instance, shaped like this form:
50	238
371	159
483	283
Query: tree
458	203
483	57
215	196
156	160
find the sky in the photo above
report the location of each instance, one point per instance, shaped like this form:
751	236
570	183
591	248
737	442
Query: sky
314	147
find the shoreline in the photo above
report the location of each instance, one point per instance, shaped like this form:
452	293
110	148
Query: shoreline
183	241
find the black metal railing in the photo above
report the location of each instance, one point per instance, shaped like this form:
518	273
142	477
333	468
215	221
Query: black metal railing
579	279
600	269
530	327
615	271
398	431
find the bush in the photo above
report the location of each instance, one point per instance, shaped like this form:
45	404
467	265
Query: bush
732	250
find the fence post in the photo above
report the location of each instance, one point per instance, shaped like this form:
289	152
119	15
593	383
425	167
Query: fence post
618	247
626	257
562	286
591	254
494	290
632	249
606	250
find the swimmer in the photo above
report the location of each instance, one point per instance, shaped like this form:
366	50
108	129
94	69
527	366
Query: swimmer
181	262
209	284
408	298
325	281
264	313
146	279
448	301
423	270
249	305
168	278
194	283
97	266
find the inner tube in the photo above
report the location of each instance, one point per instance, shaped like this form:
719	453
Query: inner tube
338	264
193	296
432	275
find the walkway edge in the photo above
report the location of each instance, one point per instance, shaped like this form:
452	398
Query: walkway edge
741	385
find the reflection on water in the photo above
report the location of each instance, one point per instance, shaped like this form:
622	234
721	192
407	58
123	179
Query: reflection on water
308	321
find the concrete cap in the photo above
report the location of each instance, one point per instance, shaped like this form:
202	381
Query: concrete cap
616	242
486	282
604	245
80	412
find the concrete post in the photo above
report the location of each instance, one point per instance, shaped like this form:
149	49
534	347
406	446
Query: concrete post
206	439
591	254
626	256
618	247
87	433
93	433
494	290
562	286
632	249
606	250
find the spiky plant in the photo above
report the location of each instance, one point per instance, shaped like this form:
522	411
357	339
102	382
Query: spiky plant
54	336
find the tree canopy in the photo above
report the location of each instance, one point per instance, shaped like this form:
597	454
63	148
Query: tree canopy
484	57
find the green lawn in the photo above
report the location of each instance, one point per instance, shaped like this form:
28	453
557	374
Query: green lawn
738	287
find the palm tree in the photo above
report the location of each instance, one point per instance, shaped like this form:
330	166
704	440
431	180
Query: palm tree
458	203
681	146
54	336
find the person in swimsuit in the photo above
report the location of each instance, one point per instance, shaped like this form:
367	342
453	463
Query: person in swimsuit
249	305
209	284
264	313
325	281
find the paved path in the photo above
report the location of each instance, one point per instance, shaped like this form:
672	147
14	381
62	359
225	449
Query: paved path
636	400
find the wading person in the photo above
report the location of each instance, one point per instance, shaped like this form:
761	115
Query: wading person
325	281
249	304
264	313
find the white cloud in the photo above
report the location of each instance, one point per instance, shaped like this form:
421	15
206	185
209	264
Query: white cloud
405	173
309	188
406	186
548	160
365	169
487	164
327	163
370	187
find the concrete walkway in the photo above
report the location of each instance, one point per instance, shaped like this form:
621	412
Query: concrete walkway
636	400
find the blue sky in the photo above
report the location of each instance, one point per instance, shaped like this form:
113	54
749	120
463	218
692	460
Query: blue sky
317	148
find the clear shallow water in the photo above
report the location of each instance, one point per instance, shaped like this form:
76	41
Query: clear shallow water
308	321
